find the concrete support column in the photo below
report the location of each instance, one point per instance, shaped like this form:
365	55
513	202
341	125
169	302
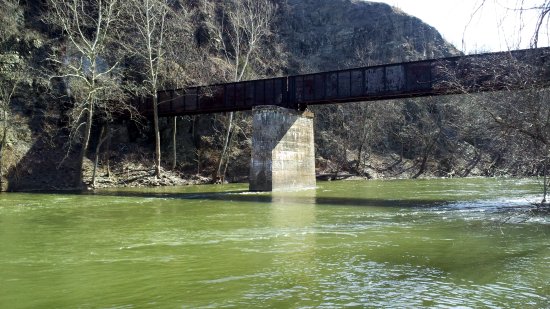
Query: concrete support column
283	150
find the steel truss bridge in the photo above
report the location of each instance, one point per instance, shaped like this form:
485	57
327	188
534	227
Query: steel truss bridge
514	70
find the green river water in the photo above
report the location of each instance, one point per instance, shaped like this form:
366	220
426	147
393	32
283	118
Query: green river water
426	243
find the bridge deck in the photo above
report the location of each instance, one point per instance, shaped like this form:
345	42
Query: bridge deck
475	73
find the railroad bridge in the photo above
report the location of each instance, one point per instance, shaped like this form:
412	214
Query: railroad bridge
283	145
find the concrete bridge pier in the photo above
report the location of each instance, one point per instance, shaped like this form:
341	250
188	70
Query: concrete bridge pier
283	150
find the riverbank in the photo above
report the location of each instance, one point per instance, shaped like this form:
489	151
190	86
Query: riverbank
137	171
45	165
139	175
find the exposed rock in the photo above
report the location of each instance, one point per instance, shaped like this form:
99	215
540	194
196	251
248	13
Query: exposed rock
323	35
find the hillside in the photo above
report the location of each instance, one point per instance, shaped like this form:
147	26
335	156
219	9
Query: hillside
322	35
444	136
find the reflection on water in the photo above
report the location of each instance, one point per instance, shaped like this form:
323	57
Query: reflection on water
434	243
293	216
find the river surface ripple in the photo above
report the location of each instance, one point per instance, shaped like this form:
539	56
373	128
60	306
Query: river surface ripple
426	243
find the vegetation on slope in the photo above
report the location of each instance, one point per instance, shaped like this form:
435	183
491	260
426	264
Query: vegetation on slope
69	68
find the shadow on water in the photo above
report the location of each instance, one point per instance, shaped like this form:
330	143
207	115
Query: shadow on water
306	197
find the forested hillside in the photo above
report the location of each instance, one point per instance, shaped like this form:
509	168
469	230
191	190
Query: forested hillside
70	68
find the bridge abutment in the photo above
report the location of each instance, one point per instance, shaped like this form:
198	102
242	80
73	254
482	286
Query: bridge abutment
283	149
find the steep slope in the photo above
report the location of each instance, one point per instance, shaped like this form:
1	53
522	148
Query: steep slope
321	35
310	36
335	34
364	138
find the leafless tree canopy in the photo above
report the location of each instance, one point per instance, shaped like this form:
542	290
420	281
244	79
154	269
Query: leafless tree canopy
84	63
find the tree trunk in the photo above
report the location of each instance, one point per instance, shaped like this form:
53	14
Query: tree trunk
196	143
2	147
362	145
545	189
360	153
422	168
157	134
226	165
425	157
107	154
198	158
359	160
103	136
96	157
219	174
174	141
85	141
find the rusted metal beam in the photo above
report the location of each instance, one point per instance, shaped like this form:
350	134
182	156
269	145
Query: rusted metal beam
518	69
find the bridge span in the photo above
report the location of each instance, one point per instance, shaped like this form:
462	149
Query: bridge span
282	142
473	73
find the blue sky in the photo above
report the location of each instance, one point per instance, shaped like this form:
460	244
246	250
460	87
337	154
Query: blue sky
496	26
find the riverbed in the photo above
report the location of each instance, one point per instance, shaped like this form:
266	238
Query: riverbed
399	243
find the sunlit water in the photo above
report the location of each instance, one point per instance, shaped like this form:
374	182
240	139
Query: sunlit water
434	243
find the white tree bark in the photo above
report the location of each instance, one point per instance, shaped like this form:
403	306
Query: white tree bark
149	19
239	35
80	64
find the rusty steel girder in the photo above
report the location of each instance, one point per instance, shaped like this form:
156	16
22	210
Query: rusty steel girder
511	70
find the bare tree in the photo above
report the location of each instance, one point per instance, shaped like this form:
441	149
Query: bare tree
13	69
148	43
540	24
240	31
185	63
9	81
543	11
531	118
519	112
84	64
10	18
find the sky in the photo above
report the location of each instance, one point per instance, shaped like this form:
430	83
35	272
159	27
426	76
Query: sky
496	26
